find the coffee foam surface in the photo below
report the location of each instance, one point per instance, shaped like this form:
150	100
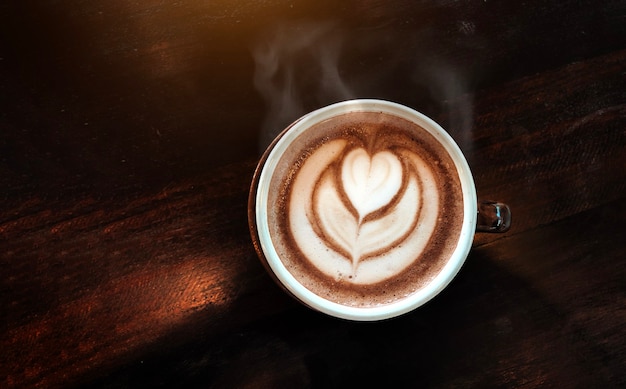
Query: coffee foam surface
362	209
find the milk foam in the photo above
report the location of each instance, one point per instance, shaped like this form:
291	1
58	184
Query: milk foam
359	215
370	182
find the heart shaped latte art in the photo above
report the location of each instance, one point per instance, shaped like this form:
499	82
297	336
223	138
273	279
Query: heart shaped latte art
370	182
359	217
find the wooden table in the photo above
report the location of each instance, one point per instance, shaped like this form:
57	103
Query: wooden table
129	132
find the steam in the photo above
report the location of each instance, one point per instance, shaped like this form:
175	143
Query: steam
449	87
297	67
303	65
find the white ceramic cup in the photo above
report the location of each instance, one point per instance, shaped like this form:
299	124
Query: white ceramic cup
493	216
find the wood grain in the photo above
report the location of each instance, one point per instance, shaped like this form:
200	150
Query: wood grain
128	140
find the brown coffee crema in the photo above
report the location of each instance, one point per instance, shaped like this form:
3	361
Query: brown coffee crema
367	208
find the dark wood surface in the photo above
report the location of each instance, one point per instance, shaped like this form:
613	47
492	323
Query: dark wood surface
129	132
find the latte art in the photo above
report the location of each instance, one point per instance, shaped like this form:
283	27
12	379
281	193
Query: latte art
355	215
364	208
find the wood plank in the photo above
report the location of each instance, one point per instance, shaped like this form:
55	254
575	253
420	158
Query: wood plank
94	282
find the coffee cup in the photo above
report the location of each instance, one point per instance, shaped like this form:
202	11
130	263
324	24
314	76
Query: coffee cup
366	209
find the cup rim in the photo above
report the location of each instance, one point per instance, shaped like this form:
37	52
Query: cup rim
257	206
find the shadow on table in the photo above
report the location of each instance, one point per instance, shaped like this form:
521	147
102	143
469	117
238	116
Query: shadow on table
490	327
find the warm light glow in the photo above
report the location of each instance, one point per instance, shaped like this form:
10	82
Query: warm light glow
141	307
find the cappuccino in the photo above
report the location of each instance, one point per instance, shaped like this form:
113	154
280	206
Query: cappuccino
365	208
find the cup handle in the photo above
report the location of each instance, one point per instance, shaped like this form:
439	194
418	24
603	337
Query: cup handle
493	217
